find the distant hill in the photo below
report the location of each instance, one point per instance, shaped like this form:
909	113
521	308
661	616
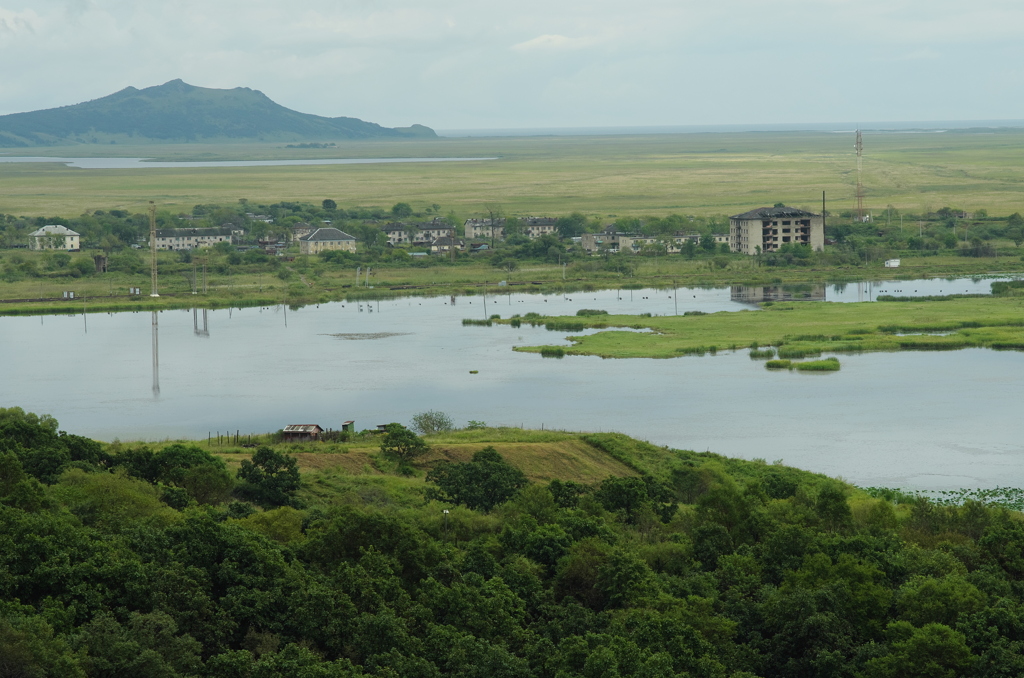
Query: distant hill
177	112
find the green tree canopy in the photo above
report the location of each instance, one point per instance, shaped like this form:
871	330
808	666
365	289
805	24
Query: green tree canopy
270	479
481	484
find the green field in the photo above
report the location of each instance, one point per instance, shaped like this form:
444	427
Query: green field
804	329
698	174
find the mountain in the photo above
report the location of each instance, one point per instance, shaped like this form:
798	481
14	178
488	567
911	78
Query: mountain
177	112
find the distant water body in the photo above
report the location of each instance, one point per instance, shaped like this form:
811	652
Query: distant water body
144	163
933	126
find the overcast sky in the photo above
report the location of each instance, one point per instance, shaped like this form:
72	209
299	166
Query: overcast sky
535	63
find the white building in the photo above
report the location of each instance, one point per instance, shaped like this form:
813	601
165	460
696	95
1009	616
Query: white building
766	229
323	239
191	238
55	237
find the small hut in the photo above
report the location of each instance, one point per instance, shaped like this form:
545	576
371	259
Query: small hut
302	433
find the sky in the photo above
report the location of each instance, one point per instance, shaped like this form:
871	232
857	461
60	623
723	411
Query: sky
479	64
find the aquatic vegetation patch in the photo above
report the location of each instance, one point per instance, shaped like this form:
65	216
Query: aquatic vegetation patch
363	336
805	330
827	365
1011	498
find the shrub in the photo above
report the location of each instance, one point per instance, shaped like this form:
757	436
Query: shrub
778	364
756	353
590	311
552	352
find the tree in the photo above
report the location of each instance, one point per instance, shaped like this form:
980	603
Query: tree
571	226
329	204
270	479
401	444
401	210
431	422
1015	228
480	484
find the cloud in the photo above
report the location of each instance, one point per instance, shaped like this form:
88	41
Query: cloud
13	23
533	63
551	42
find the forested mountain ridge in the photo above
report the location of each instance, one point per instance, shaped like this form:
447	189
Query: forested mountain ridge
131	560
179	112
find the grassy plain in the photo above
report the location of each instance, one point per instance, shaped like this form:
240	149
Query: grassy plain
698	174
805	329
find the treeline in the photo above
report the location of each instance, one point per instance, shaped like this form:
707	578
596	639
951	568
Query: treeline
118	562
947	229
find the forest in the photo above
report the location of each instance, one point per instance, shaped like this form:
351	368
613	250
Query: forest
134	560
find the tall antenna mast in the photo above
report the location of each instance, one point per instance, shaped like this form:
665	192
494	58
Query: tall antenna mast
152	248
859	145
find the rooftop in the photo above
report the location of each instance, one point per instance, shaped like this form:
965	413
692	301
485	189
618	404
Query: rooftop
53	229
775	213
322	234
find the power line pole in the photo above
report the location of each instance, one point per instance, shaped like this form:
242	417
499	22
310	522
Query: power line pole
152	248
859	146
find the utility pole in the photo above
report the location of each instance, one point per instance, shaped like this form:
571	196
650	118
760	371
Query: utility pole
152	248
859	146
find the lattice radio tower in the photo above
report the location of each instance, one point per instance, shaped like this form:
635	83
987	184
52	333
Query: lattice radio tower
859	145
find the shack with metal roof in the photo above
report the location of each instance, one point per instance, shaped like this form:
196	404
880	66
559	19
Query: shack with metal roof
301	433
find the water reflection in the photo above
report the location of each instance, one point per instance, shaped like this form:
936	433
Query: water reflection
928	420
205	331
748	295
156	356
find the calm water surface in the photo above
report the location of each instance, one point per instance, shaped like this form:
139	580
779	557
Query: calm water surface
146	163
916	420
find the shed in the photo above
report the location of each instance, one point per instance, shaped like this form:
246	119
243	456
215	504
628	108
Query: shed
892	263
349	425
300	433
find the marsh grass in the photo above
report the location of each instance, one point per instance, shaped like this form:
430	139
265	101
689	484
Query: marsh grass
807	329
826	365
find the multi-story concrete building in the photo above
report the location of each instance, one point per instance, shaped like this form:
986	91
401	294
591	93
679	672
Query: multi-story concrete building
323	239
532	228
420	235
55	237
190	238
766	229
614	241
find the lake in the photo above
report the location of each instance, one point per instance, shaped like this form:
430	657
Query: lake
918	420
146	163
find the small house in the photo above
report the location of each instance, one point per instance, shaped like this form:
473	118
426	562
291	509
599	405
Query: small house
302	433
